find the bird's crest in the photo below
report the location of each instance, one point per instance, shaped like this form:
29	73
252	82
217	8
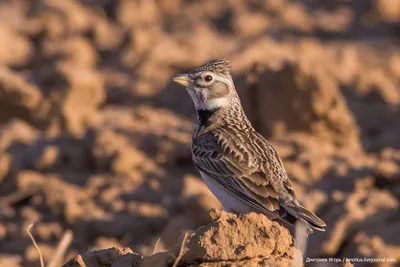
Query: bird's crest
218	66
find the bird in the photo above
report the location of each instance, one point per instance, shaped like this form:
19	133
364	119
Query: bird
239	166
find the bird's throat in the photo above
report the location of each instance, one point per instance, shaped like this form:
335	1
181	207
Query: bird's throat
204	115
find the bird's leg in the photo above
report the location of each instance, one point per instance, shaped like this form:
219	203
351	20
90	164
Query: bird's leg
302	232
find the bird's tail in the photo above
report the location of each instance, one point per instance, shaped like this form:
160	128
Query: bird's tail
311	219
300	212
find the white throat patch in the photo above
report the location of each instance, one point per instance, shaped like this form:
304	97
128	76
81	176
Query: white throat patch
209	104
214	103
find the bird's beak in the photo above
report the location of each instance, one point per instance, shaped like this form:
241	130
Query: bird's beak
182	79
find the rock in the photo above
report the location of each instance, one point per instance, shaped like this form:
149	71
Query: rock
230	240
234	238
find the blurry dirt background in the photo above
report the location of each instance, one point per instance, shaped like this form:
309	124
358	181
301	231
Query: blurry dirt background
95	138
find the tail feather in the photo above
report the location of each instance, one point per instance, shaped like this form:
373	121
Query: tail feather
297	211
313	220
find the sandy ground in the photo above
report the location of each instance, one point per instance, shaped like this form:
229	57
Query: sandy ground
95	138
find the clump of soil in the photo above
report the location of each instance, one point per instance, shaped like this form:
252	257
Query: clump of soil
229	240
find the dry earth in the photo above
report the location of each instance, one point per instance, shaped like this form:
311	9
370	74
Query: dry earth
230	240
95	138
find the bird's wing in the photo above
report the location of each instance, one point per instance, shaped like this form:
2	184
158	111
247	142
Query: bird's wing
240	167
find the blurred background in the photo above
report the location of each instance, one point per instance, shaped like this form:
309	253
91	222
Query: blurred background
95	138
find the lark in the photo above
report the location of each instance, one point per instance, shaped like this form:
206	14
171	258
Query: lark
239	166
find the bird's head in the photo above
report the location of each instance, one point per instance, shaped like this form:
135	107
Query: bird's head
210	85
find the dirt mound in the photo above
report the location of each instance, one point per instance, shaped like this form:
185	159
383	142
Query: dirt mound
229	240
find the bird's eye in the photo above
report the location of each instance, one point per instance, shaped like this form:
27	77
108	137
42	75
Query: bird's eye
208	78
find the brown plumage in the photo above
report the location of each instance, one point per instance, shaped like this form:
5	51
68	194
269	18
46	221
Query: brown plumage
240	166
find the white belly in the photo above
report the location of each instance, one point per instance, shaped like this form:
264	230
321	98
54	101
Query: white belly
229	202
